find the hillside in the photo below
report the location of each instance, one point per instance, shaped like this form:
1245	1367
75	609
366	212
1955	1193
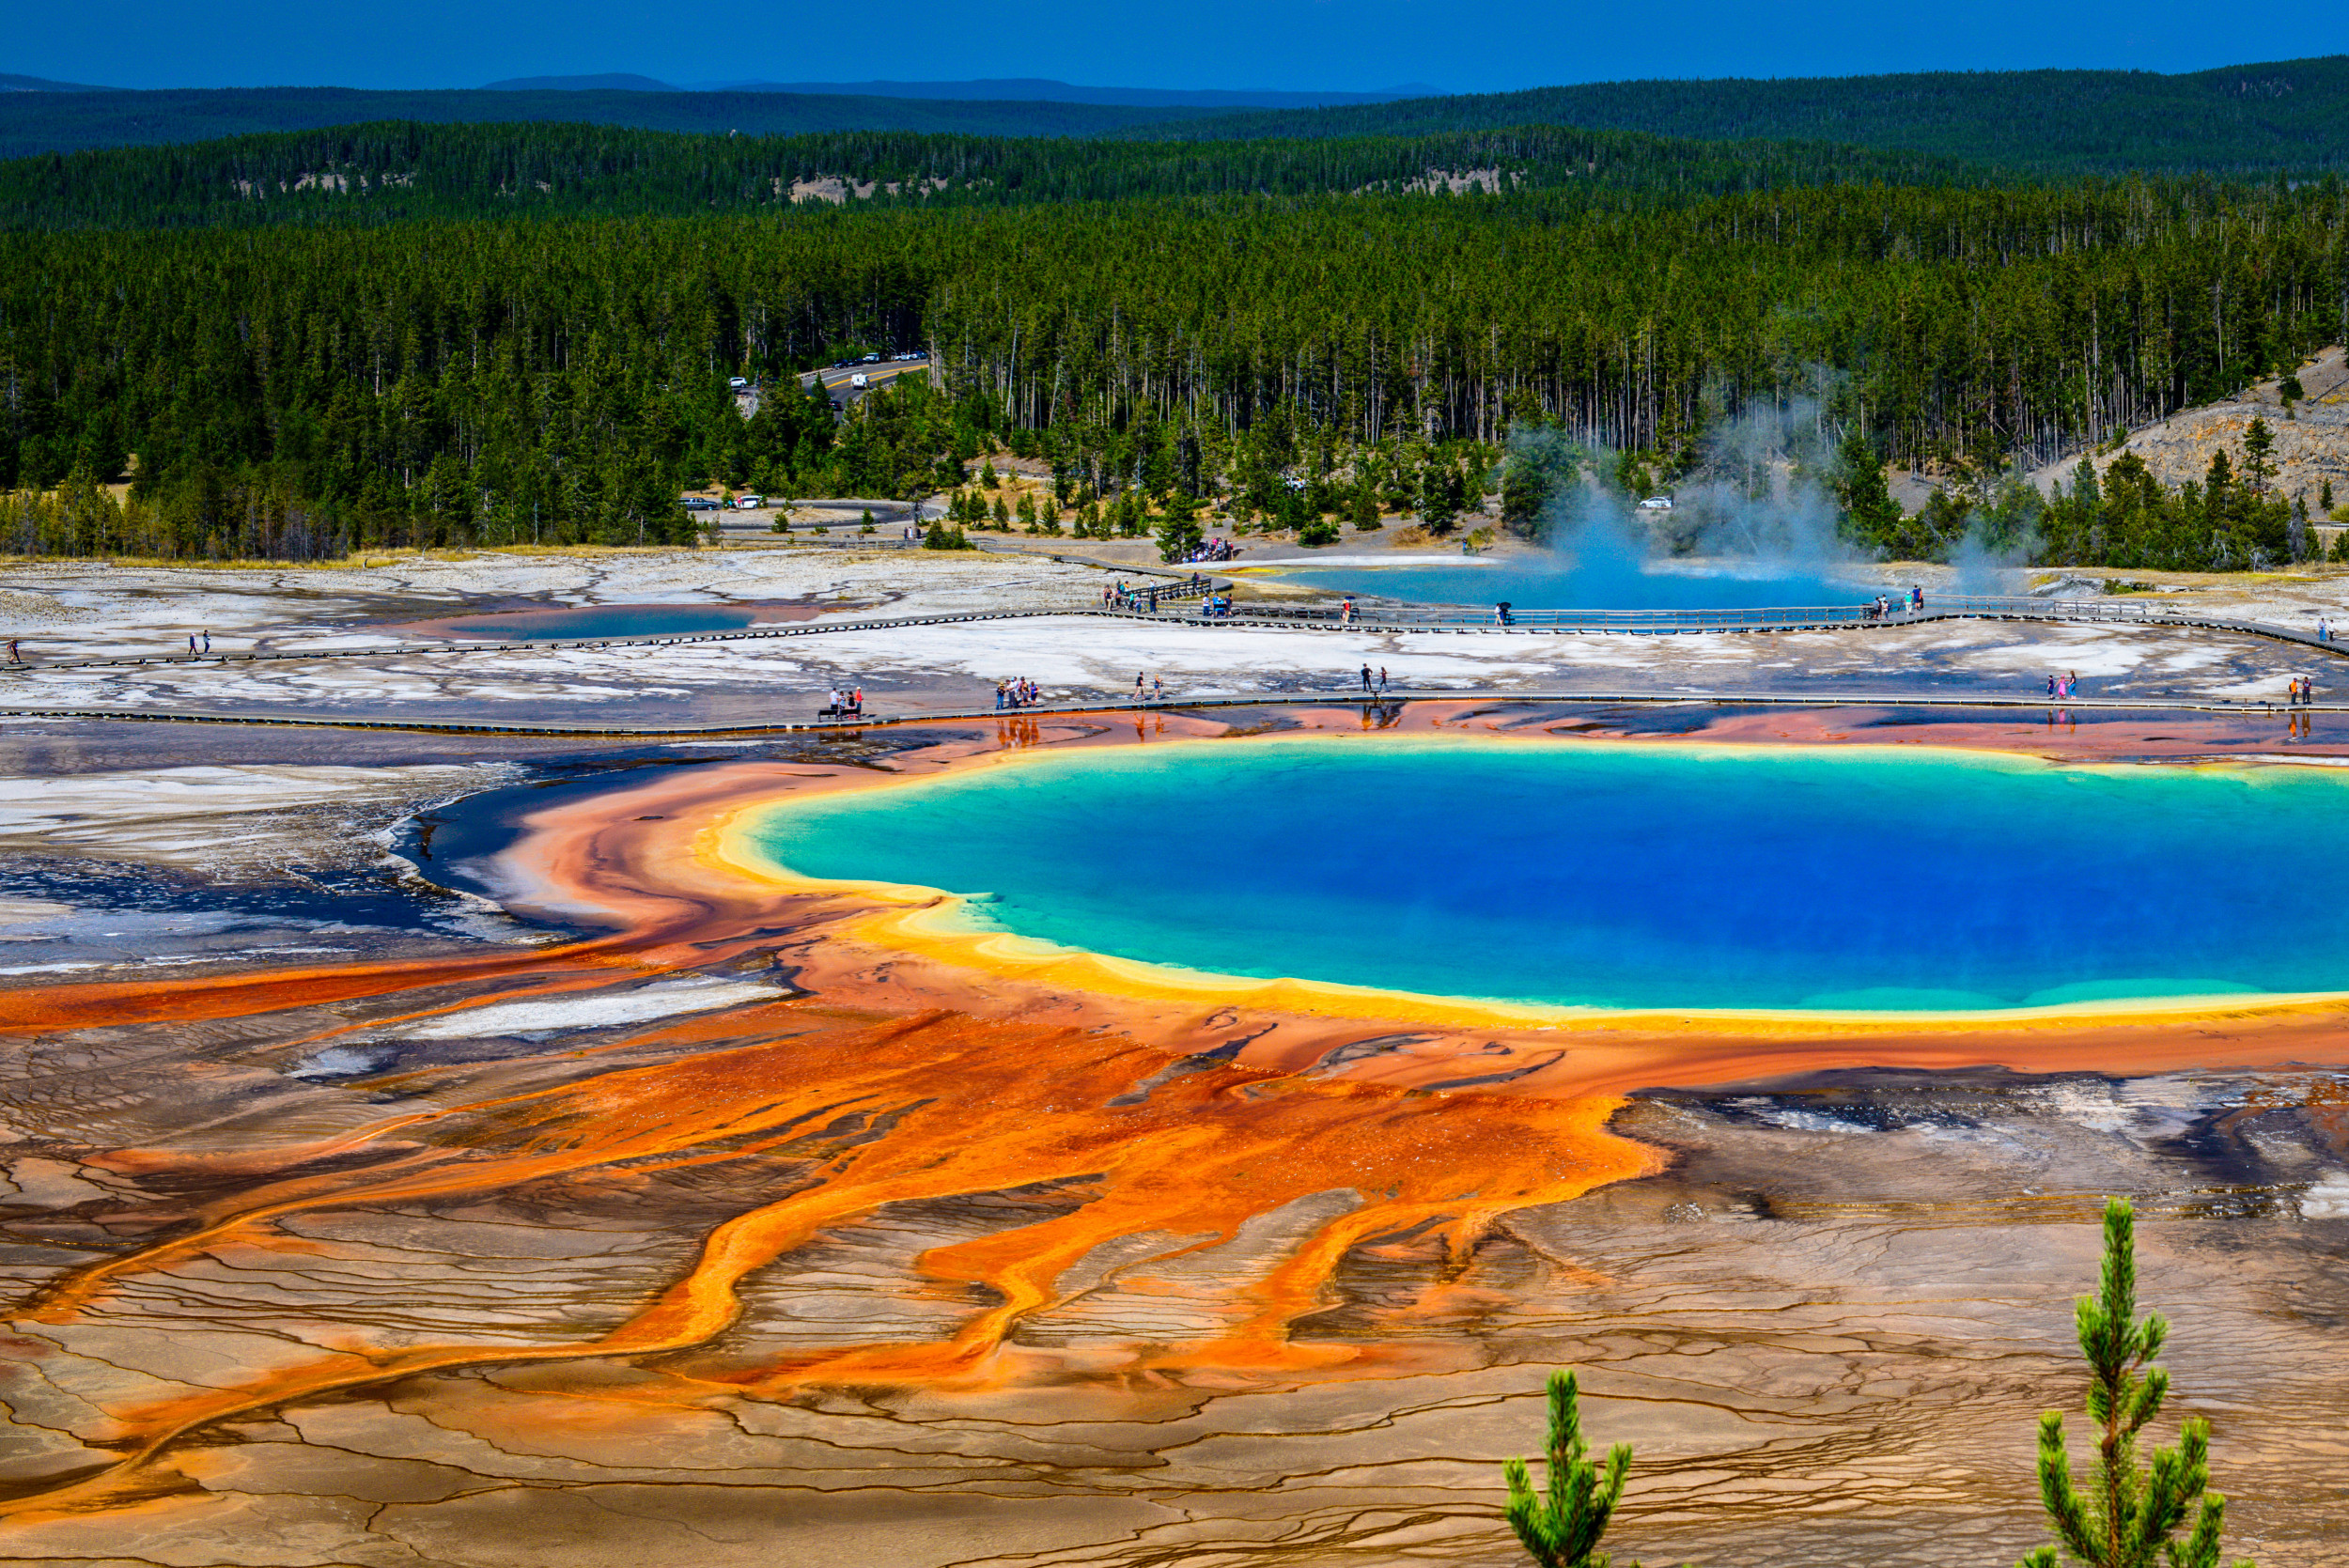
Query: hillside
2252	118
2311	440
2289	115
395	172
38	122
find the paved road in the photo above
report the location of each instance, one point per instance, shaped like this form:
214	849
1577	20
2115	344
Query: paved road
841	382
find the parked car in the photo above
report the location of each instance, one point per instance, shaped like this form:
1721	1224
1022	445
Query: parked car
751	502
698	504
738	383
1657	503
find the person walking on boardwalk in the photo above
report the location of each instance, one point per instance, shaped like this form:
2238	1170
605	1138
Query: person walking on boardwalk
14	657
1157	689
1366	677
1382	680
1137	686
208	642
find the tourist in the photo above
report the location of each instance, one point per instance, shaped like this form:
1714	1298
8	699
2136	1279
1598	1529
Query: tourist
191	645
1137	686
1916	600
1366	677
208	642
1157	689
856	701
2071	684
1382	680
14	657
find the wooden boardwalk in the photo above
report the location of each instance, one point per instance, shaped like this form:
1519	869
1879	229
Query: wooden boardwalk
1383	619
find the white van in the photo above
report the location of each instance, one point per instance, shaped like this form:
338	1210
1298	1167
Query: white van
751	502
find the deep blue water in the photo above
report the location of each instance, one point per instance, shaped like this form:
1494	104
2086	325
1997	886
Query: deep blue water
1632	874
1546	582
604	620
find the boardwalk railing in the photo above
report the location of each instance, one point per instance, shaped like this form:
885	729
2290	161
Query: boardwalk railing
1177	606
1772	618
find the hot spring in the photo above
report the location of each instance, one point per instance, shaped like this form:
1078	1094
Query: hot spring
614	620
1546	582
1633	875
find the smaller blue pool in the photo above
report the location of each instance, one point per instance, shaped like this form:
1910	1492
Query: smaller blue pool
1552	582
614	620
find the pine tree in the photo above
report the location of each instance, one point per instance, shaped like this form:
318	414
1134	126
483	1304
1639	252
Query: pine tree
2259	447
1562	1526
2130	1510
1871	516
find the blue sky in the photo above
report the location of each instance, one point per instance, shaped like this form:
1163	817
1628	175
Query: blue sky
1458	46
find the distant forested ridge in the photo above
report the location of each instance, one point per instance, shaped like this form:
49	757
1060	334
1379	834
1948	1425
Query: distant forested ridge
2291	115
74	121
437	381
401	171
2287	115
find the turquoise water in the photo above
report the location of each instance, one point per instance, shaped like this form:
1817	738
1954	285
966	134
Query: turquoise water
604	620
1544	582
1632	874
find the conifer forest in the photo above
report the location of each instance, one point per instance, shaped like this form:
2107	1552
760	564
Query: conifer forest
302	345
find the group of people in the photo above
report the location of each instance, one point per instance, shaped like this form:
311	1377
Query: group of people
192	641
1119	597
2064	685
1381	686
1019	693
843	702
2302	692
1909	603
1213	550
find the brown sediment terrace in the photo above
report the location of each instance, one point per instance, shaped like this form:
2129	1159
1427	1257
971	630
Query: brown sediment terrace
905	1066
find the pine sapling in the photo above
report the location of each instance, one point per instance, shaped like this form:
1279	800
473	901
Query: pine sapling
1562	1528
2127	1513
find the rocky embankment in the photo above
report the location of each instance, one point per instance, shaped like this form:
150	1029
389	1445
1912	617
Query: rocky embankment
2311	439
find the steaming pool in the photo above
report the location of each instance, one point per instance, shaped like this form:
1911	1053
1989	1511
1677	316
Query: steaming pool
614	620
1631	874
1549	583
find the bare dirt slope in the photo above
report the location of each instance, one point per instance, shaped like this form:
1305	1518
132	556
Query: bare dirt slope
2311	442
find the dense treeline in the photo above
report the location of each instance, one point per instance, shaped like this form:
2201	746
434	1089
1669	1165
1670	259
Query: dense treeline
2290	115
46	122
402	171
447	381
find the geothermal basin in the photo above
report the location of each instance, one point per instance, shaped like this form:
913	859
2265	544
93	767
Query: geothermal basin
1620	876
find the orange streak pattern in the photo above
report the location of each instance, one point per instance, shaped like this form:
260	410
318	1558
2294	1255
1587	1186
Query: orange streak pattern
965	1083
